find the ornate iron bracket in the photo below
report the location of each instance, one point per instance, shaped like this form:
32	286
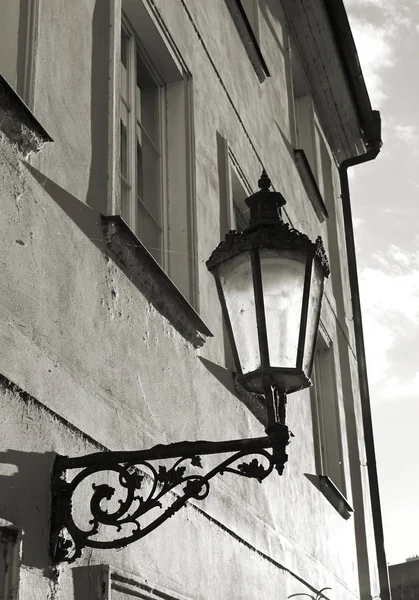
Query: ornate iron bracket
139	495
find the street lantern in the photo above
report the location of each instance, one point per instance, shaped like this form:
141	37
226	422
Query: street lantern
270	280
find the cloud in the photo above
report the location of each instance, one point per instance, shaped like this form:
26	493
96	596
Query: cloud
384	10
376	26
390	305
406	133
375	53
396	387
391	288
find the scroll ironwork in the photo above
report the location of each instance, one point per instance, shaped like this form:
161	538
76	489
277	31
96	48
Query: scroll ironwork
144	494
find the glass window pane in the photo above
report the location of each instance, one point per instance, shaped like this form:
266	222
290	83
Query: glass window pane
314	305
150	233
147	101
140	177
124	48
148	175
283	284
124	151
125	203
124	63
237	282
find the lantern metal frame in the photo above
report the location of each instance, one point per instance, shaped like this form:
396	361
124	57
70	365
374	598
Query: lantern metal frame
124	511
267	231
280	237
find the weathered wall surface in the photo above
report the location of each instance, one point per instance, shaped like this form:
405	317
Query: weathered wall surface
81	338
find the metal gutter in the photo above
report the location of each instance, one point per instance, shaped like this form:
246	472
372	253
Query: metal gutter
370	124
370	131
374	145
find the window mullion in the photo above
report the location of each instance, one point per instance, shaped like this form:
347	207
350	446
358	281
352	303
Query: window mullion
132	135
164	199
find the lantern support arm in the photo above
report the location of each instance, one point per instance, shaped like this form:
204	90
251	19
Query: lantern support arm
130	495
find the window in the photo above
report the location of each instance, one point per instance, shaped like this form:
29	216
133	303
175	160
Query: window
151	164
245	15
326	417
234	189
251	9
311	155
18	30
10	547
142	115
305	130
238	197
310	138
234	213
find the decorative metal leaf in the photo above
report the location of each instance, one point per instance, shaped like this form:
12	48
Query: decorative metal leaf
252	469
103	491
171	476
196	461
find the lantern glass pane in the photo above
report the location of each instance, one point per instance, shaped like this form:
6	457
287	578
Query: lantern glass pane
313	315
283	285
237	284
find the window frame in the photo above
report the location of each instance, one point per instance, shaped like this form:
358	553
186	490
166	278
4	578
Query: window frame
325	401
231	175
179	252
307	136
250	38
131	182
251	9
334	491
229	169
20	74
10	559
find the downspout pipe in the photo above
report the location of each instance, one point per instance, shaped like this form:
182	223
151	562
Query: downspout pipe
373	148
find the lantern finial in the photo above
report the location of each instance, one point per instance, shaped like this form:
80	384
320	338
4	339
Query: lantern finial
264	182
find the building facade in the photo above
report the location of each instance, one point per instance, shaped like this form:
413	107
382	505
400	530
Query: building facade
145	125
404	579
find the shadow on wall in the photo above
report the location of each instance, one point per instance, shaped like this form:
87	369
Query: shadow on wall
99	116
115	241
228	379
87	220
25	501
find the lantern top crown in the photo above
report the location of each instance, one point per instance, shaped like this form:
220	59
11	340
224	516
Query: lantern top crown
265	205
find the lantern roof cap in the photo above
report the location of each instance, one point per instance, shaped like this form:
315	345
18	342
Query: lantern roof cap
266	230
274	237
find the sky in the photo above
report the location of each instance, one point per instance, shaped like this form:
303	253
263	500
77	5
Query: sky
385	203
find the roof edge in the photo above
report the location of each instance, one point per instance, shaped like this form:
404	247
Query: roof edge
369	119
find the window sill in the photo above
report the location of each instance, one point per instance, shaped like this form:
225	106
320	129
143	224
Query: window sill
134	259
310	184
18	123
335	496
248	39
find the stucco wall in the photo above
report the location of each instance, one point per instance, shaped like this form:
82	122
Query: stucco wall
82	339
